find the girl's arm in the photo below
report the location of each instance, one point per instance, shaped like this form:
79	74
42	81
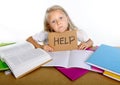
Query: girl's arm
36	45
85	45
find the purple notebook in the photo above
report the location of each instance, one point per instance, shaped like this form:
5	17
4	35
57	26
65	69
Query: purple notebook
72	73
75	73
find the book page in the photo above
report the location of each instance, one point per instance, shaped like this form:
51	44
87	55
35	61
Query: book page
23	63
78	57
59	58
15	49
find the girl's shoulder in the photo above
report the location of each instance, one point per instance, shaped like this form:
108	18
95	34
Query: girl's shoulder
42	33
79	31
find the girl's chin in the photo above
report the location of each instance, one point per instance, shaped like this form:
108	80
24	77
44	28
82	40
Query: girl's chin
61	31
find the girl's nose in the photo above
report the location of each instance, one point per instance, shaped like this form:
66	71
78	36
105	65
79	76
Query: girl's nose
58	22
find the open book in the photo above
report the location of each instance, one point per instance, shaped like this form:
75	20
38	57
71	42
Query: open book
23	58
72	58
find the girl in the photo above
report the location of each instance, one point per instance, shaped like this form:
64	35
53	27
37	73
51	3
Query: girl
57	20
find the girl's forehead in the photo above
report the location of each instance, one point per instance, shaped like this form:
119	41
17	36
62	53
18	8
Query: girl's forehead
56	12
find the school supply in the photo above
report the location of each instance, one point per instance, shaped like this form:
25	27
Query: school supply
75	73
6	43
71	58
3	66
72	73
23	58
112	75
107	58
95	69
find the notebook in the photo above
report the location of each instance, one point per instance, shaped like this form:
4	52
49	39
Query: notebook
95	69
112	75
3	66
75	73
72	73
107	58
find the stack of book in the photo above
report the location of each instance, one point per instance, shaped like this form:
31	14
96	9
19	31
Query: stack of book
107	58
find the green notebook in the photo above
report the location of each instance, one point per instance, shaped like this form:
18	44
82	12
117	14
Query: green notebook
4	44
3	65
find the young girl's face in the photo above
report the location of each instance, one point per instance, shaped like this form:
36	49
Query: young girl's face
58	21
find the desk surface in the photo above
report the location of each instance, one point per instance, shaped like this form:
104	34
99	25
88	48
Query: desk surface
51	76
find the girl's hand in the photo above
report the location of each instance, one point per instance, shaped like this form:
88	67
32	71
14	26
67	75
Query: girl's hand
47	48
83	46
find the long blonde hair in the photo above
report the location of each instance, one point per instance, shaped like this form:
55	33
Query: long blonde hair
71	26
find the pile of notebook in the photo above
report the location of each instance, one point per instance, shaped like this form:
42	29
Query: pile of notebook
105	60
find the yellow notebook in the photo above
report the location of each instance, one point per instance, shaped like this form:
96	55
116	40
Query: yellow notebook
112	75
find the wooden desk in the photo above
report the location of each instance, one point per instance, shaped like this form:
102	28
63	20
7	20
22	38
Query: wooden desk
51	76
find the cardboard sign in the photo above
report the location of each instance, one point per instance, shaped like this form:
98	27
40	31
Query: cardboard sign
63	41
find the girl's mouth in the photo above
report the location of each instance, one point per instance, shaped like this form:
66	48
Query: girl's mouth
60	27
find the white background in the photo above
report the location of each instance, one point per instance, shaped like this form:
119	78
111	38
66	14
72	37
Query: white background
20	19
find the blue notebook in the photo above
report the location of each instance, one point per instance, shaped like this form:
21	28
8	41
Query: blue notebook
107	58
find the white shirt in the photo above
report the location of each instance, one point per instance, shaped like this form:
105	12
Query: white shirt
43	36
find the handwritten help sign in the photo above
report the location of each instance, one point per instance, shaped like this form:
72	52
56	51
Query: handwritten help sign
63	41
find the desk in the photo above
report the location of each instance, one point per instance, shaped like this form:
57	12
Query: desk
51	76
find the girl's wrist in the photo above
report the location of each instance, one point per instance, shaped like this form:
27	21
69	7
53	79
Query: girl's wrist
42	46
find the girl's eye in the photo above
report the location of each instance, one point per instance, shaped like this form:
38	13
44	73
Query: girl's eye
53	21
61	17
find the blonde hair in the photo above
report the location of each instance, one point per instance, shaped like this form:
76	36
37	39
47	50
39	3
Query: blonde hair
71	26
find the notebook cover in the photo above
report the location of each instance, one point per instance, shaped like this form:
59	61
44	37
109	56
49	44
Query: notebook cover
72	73
112	75
3	66
95	69
75	73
